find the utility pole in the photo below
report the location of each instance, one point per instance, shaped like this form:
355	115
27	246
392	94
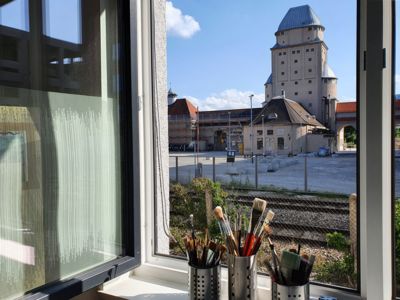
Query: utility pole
251	126
263	134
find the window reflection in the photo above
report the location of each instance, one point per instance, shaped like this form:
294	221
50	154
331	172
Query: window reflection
56	12
14	14
60	185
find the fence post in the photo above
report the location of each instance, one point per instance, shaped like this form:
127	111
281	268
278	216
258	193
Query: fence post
214	168
305	174
176	168
209	207
353	227
256	171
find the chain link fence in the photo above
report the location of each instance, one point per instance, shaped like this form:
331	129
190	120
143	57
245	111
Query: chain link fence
313	199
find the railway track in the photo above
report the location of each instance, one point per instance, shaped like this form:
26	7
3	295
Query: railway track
301	219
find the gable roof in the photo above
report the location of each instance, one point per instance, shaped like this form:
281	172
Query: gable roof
182	107
346	107
298	17
285	111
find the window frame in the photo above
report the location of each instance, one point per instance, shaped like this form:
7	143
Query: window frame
371	156
131	189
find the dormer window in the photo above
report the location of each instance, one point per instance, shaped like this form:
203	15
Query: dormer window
272	116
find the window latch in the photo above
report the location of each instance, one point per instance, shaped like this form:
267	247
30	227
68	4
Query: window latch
384	58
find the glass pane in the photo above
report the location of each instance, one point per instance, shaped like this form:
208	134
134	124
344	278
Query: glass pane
60	172
274	81
14	14
396	182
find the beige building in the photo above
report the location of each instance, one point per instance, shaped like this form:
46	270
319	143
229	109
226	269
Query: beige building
284	127
299	61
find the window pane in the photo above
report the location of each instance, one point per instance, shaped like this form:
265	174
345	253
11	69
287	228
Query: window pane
60	172
261	78
396	99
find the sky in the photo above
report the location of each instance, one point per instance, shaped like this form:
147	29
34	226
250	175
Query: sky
218	52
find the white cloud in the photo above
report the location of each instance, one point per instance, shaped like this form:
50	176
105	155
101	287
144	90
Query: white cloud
228	99
178	24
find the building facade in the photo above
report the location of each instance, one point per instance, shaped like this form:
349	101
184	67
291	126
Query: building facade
299	61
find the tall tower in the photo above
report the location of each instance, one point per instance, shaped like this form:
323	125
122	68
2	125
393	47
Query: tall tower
171	97
299	62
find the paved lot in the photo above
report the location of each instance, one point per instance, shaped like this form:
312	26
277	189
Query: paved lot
336	174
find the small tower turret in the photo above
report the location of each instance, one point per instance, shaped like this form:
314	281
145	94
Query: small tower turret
171	97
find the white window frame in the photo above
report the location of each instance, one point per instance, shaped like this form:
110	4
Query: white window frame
375	153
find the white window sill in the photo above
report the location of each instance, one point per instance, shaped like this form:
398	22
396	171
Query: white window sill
151	281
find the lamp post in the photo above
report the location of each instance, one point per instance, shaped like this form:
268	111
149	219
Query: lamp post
229	131
263	134
251	126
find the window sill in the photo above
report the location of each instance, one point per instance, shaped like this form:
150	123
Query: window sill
161	281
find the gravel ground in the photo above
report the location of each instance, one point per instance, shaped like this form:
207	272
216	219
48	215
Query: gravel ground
336	174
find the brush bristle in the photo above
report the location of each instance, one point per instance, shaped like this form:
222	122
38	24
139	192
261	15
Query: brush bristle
267	229
270	216
219	214
259	204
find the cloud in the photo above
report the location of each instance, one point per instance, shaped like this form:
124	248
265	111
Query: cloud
178	24
228	99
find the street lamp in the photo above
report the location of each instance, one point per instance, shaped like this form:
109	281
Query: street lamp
251	126
263	137
229	134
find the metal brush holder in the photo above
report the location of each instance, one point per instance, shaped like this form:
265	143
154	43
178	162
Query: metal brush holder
242	277
284	292
204	284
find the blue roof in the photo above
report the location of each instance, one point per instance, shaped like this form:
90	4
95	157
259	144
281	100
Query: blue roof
269	81
298	17
327	72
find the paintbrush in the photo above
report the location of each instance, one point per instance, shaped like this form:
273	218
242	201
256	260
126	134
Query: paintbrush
266	232
266	221
257	211
271	271
275	261
226	230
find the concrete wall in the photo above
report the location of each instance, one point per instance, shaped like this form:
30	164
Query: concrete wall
161	162
315	141
293	139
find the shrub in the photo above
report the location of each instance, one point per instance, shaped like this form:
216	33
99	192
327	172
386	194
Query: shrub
338	241
339	271
190	199
397	238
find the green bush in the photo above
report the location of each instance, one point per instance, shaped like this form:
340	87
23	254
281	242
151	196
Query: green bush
338	241
337	271
397	239
190	199
340	272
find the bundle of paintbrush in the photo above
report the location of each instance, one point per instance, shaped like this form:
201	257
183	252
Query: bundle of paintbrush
258	229
292	269
203	253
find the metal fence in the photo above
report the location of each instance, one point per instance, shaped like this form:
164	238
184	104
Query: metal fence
333	174
311	196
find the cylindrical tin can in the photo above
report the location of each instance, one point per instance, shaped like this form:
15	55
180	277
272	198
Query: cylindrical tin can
284	292
242	277
204	283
